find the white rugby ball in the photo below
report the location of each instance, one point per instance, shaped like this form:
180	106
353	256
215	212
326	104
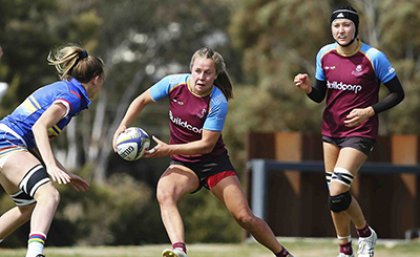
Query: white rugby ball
132	143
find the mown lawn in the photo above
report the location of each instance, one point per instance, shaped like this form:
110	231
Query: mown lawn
299	247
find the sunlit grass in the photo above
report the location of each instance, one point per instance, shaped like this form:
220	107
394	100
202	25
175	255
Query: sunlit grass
299	247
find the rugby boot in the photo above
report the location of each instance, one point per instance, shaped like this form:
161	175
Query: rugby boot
173	253
345	255
367	245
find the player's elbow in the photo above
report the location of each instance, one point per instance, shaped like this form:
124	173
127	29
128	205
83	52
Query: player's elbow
207	148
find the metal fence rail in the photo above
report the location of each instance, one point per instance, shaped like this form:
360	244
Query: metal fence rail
259	168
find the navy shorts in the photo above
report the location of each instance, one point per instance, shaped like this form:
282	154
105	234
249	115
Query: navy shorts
363	144
208	168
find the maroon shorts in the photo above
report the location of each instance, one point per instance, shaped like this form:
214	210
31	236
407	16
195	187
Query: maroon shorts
210	172
363	144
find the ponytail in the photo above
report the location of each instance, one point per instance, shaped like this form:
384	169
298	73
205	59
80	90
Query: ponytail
75	62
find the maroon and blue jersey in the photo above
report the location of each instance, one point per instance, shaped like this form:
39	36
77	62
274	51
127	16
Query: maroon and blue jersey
189	114
71	94
352	82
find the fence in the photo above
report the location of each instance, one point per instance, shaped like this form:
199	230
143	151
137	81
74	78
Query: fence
287	186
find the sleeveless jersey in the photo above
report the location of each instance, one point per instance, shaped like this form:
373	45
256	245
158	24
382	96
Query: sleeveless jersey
352	82
70	93
189	114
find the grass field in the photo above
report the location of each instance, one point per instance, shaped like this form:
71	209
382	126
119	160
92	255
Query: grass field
299	247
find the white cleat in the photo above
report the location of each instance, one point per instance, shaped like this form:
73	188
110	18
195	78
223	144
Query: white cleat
345	255
367	245
173	253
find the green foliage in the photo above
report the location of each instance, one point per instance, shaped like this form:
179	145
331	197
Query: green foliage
280	38
107	214
208	220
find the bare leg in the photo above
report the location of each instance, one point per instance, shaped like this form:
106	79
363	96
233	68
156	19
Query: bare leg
47	198
175	182
229	192
341	220
351	160
14	218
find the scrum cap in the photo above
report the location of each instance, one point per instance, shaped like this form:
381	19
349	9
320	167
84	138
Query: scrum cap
347	13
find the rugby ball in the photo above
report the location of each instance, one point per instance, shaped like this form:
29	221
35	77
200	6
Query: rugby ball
132	143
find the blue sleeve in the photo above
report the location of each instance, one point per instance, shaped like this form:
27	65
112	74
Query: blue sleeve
215	120
71	101
162	88
382	66
319	72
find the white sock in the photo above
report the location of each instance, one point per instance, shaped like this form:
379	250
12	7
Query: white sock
35	244
34	248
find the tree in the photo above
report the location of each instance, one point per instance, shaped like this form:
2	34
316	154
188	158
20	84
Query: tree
274	53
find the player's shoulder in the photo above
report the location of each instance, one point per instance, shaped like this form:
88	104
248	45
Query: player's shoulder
217	97
326	49
54	88
371	51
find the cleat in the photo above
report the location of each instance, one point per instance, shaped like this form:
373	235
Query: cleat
345	255
367	245
173	253
40	255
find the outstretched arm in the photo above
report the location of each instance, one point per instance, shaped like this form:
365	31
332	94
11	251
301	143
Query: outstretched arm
132	113
40	130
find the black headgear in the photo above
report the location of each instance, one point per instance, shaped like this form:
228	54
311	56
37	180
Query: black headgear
347	13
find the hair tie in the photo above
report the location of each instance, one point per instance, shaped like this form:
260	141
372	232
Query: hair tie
83	54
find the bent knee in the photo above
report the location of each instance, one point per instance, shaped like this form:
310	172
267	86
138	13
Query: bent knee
340	202
47	192
245	218
164	196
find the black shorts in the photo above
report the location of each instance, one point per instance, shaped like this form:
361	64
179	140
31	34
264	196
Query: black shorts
208	168
363	144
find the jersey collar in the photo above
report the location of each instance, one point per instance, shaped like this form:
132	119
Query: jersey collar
81	90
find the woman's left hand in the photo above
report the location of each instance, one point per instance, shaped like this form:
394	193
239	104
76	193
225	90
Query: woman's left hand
161	149
78	183
358	116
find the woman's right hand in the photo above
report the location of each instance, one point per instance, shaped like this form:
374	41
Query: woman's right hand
119	130
303	82
58	175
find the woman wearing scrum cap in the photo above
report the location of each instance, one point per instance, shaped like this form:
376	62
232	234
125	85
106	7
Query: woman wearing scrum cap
349	73
27	163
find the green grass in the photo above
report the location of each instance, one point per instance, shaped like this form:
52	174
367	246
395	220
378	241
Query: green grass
299	247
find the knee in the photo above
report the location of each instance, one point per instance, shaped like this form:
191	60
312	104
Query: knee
340	202
164	196
48	194
245	218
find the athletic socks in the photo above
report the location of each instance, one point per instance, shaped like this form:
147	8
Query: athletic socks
36	244
346	249
180	245
283	253
364	232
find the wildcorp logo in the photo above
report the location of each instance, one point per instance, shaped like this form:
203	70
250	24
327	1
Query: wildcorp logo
342	86
178	121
